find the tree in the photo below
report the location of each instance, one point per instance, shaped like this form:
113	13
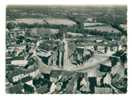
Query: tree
11	25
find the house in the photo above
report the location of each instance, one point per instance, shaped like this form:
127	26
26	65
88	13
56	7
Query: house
18	74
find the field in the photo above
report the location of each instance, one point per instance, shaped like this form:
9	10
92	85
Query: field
52	21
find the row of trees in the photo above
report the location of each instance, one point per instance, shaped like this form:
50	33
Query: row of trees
75	29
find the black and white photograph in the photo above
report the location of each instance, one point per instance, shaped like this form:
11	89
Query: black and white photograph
66	49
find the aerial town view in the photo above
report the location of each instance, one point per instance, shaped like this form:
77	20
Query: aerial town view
66	49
